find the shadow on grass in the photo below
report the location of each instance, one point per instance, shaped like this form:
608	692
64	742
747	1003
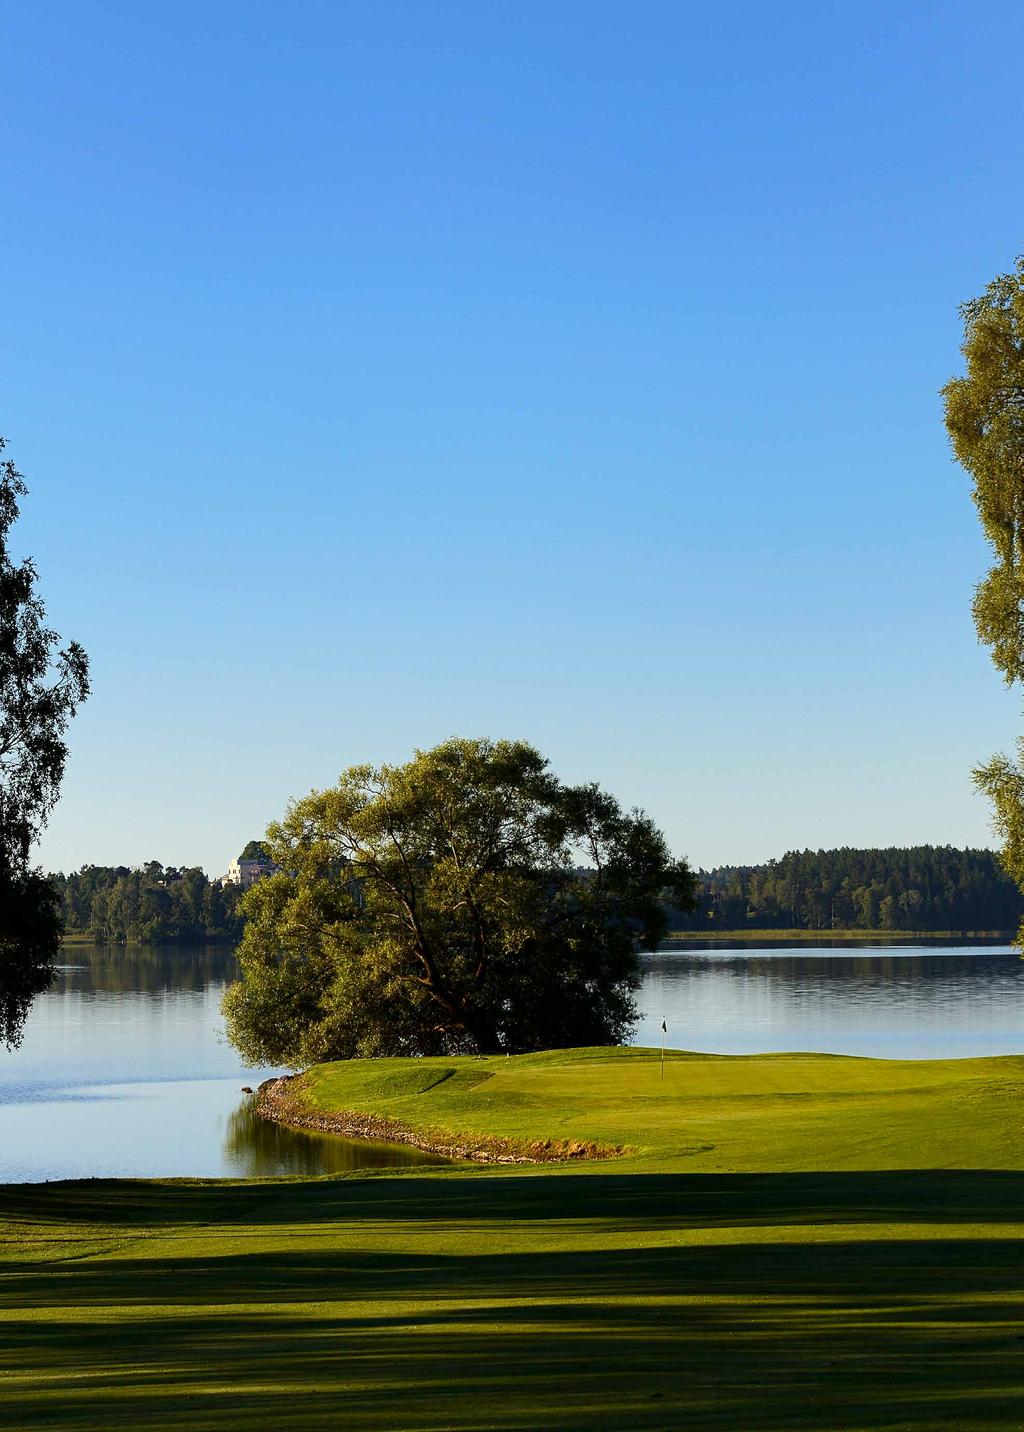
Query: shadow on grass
463	1303
616	1199
888	1271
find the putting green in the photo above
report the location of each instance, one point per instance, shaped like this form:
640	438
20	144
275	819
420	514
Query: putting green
703	1112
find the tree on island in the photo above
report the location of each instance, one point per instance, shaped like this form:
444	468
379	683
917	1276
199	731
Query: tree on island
985	422
40	689
466	902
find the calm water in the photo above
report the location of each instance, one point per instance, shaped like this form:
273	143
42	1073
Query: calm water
893	1002
125	1069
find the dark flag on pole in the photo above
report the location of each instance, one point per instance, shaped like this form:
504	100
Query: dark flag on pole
664	1031
664	1027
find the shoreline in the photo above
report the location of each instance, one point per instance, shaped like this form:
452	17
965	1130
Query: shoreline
868	937
275	1102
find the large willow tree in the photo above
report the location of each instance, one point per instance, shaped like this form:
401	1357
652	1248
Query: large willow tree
466	901
985	421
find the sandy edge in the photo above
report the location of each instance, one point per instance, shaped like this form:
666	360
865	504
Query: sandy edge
277	1100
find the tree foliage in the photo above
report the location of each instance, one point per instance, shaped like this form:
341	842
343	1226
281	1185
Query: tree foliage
150	904
916	888
440	906
985	421
41	685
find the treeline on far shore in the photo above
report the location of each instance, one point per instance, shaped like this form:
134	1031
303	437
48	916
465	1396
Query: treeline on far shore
151	904
919	888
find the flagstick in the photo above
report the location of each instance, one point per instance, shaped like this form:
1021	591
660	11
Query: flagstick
662	1049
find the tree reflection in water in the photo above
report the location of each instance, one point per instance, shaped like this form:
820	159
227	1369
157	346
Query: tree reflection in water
257	1148
147	969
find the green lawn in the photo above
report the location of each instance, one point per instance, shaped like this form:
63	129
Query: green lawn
794	1242
708	1114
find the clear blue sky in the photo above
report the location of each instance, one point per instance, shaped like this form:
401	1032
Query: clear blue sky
568	371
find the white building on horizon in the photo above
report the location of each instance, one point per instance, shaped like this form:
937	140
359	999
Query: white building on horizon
247	872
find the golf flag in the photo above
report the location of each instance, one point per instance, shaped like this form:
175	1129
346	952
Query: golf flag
664	1027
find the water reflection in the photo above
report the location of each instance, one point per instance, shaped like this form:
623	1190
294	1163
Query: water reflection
125	1071
146	969
922	1002
256	1148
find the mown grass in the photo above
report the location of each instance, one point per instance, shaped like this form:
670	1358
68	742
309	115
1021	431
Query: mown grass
704	1113
795	1242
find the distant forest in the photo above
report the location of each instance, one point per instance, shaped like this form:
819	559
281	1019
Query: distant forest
925	887
115	905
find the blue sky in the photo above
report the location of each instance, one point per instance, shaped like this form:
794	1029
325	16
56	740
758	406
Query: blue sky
388	371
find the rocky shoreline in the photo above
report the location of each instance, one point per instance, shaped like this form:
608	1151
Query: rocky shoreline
277	1100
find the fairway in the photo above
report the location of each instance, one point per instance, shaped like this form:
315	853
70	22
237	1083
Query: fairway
757	1260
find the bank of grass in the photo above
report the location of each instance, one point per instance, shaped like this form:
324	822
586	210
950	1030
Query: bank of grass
793	1242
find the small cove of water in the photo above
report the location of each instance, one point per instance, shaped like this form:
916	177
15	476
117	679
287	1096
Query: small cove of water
125	1070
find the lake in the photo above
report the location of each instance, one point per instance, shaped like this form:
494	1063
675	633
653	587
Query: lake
910	1001
125	1069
